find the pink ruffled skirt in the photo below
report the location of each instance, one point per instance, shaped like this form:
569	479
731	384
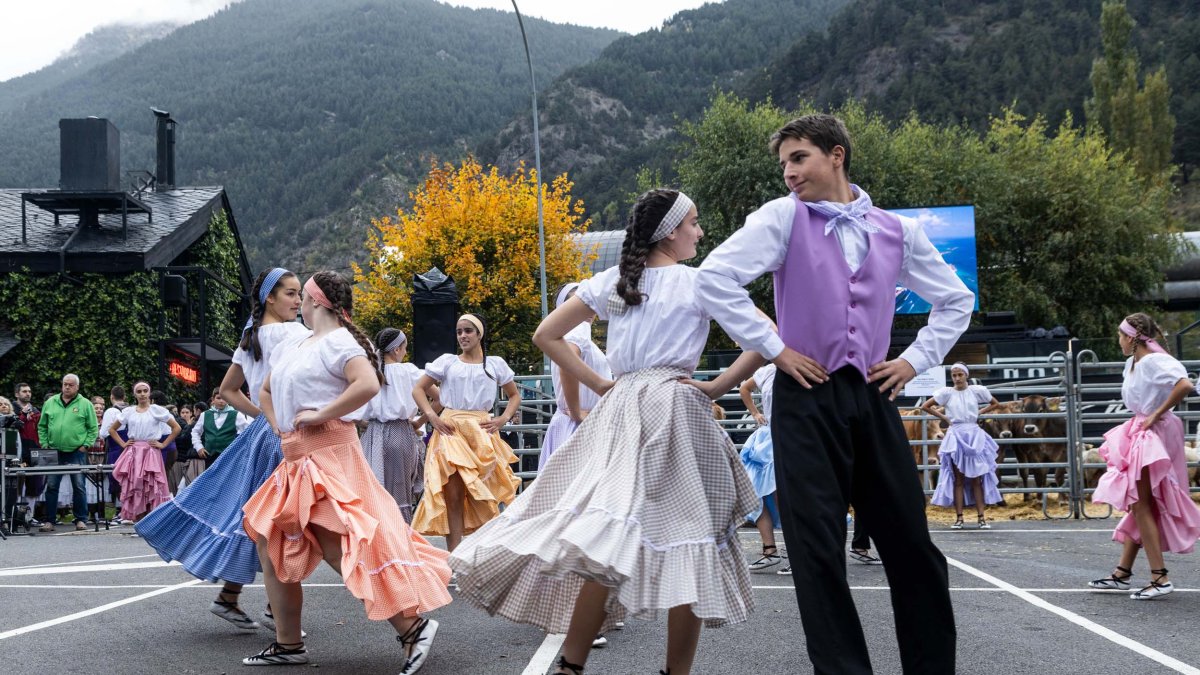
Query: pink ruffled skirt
1128	449
143	479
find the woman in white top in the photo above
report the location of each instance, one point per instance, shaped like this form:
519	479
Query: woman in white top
967	453
202	526
573	401
758	456
140	469
467	468
392	446
323	502
1147	469
638	512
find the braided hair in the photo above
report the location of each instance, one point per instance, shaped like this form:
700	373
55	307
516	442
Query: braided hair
483	343
1146	326
341	296
644	219
382	339
250	341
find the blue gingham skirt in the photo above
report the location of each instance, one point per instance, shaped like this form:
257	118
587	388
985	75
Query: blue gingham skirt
202	526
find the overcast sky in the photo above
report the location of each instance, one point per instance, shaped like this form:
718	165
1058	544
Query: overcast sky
35	32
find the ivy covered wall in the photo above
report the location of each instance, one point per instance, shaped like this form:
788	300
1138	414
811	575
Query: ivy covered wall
107	329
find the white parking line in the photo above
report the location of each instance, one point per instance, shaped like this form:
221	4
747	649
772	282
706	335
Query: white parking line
544	655
78	562
38	571
95	610
1106	633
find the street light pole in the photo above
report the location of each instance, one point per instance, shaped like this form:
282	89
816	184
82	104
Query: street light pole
537	159
537	166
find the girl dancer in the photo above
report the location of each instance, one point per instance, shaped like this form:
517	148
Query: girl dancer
467	472
968	453
140	469
758	457
638	511
323	502
202	527
573	402
393	448
1147	470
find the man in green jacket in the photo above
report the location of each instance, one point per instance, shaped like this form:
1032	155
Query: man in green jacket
68	425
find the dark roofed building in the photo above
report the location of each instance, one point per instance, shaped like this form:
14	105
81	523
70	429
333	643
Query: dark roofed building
117	281
178	218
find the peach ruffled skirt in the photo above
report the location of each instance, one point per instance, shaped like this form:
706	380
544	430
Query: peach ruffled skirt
325	481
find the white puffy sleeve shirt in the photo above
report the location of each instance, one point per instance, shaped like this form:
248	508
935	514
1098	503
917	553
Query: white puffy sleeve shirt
669	328
395	399
465	386
310	376
144	426
1149	382
592	356
962	407
270	337
764	379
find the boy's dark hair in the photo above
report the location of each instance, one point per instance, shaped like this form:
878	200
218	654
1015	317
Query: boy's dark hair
117	393
823	131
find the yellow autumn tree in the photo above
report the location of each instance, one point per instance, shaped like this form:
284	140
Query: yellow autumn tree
480	227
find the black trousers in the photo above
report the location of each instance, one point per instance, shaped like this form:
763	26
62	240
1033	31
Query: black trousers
843	442
861	539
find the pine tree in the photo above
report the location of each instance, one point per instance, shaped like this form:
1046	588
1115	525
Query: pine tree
1136	120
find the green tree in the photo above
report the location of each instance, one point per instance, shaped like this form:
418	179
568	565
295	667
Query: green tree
1136	120
1067	233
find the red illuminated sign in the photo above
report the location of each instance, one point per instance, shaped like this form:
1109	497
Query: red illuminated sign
183	372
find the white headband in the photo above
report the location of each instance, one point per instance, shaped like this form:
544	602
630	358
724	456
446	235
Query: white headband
674	217
566	291
960	366
395	343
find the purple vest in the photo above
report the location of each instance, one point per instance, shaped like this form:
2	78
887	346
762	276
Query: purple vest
829	313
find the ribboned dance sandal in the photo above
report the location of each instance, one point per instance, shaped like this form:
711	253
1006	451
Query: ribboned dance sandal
958	523
865	557
1113	582
564	664
770	558
279	655
1155	589
231	612
419	639
984	524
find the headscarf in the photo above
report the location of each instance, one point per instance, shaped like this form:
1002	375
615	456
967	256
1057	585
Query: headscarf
1151	343
264	291
314	291
474	321
401	338
674	217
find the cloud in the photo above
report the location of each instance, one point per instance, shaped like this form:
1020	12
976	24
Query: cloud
34	34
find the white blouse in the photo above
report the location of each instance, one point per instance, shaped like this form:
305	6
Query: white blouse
669	328
310	376
145	426
581	336
764	379
270	336
1148	385
962	407
465	386
395	399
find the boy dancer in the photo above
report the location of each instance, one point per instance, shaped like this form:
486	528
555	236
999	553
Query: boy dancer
838	436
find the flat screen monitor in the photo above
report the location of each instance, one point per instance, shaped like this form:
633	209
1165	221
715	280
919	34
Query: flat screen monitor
951	229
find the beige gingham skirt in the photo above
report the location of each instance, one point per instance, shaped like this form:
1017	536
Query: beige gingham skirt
644	498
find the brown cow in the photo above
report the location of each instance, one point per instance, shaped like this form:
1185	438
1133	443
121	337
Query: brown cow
1046	427
1010	428
922	430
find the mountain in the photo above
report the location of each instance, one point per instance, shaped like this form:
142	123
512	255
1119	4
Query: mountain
957	61
304	109
606	119
97	47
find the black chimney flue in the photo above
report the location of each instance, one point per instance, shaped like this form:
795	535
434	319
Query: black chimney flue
164	175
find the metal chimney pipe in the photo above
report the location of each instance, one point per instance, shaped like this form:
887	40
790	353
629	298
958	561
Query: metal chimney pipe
164	175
